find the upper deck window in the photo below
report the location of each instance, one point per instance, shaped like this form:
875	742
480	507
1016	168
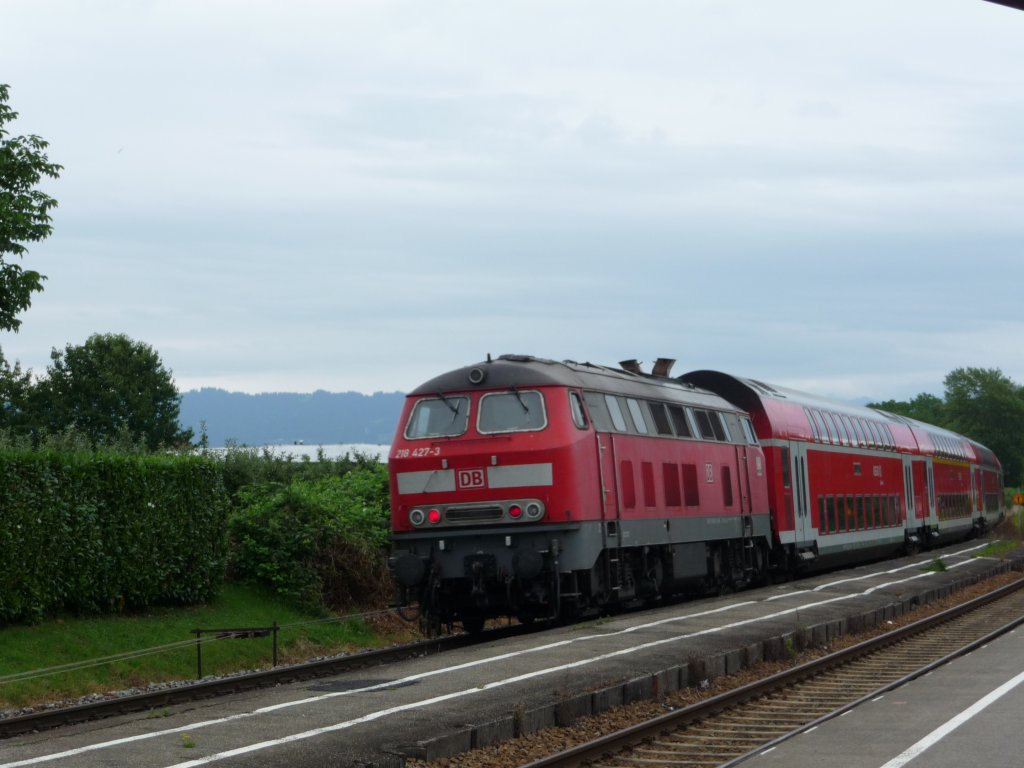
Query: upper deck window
438	417
515	411
819	419
814	425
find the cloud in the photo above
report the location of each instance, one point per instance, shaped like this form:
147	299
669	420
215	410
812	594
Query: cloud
359	195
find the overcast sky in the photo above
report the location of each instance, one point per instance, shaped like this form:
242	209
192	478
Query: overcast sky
360	195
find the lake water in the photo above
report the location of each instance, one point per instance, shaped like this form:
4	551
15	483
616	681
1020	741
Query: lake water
330	451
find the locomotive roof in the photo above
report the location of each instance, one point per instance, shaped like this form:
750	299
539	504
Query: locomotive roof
526	371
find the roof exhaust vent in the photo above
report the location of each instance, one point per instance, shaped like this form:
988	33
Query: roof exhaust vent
633	366
663	366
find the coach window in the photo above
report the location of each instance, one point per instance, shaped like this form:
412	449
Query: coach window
618	420
638	416
438	417
875	440
822	428
785	467
515	411
679	421
814	426
851	428
660	415
832	431
862	436
843	436
579	416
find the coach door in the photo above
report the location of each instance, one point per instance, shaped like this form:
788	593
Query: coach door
912	522
802	524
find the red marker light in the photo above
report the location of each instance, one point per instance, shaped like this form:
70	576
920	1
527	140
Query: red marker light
434	516
515	511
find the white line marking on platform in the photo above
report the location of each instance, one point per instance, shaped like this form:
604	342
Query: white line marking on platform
953	723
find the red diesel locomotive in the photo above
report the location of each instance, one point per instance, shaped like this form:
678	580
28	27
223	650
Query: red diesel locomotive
542	489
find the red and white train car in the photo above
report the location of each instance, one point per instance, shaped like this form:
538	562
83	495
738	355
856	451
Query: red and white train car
536	488
849	483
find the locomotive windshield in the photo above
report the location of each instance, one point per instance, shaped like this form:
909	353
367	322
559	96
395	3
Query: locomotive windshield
438	417
514	411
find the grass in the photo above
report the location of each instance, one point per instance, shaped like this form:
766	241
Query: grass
67	640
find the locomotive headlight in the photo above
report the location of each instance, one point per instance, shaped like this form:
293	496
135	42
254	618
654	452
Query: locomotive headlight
417	517
534	511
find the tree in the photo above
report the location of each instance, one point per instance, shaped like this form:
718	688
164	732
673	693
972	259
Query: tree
110	388
24	213
927	408
15	392
987	406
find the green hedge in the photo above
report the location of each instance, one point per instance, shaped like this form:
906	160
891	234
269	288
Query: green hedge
107	532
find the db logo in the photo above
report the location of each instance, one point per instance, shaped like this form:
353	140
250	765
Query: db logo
470	478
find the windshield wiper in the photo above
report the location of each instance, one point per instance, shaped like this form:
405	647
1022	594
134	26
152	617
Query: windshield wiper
453	408
519	397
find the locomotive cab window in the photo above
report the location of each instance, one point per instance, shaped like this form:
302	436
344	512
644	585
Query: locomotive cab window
515	411
438	417
579	416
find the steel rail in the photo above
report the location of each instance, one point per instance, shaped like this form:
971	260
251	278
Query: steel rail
637	734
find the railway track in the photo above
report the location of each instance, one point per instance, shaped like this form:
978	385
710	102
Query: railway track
45	719
724	730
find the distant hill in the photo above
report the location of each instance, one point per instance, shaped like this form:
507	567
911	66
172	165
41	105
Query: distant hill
320	418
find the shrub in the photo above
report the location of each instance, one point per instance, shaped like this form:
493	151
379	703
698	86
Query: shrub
319	541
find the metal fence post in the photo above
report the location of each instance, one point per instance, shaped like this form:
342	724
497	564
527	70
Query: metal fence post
199	654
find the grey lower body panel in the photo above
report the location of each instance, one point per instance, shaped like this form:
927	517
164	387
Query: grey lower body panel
576	547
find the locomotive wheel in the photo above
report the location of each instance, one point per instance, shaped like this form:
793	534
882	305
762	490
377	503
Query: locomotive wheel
473	624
